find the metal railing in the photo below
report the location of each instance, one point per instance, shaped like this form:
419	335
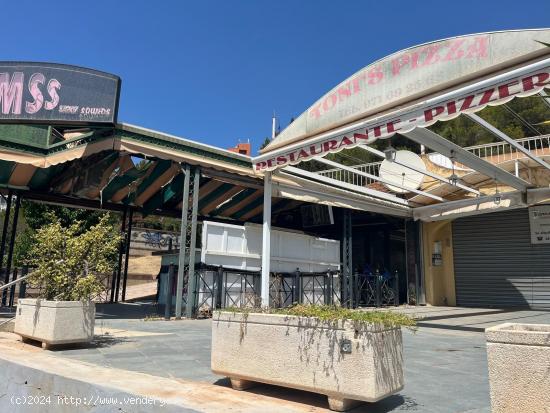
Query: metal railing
8	297
223	287
498	152
372	290
377	290
219	287
353	178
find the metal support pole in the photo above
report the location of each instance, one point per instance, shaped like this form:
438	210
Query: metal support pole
12	288
347	266
257	288
192	279
113	282
356	296
168	296
419	267
328	288
224	295
12	243
378	301
127	253
387	250
266	240
297	287
23	284
183	235
4	236
407	274
219	287
396	289
116	275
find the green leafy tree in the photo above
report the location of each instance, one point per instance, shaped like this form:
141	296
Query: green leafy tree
37	215
68	262
156	222
266	142
464	132
23	243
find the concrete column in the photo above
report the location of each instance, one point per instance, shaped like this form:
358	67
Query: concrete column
266	240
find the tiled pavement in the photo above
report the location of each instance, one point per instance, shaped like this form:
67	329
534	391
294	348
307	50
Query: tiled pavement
445	360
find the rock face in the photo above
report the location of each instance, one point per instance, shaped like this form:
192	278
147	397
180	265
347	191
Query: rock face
55	322
519	367
346	362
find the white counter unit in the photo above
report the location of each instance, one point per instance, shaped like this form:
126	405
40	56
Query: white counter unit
240	247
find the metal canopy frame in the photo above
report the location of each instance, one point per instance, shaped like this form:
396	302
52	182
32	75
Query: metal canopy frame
523	191
377	178
365	191
413	120
444	209
423	172
499	134
101	170
440	145
451	150
162	185
315	141
545	97
437	143
439	211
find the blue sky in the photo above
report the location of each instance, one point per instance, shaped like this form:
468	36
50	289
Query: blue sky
214	71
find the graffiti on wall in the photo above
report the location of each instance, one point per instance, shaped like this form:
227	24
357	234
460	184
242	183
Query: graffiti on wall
150	239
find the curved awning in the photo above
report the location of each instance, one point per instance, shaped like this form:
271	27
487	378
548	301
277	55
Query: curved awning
407	93
413	88
521	82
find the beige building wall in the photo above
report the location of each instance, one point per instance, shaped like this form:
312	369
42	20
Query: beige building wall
439	279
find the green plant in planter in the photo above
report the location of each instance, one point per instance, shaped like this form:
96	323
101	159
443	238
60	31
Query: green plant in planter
68	263
334	313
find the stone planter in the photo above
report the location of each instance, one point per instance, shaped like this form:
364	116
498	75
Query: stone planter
519	367
55	322
346	363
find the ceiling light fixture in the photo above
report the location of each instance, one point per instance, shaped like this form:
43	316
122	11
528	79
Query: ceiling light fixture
498	196
390	152
453	179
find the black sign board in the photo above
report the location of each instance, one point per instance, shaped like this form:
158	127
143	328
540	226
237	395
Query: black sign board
57	94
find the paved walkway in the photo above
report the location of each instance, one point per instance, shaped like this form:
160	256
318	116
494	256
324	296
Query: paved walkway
472	319
445	360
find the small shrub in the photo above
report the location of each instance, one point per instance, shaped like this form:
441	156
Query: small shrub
68	262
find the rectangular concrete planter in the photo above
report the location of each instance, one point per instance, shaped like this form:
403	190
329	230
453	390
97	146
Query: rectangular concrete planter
55	322
348	363
519	367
